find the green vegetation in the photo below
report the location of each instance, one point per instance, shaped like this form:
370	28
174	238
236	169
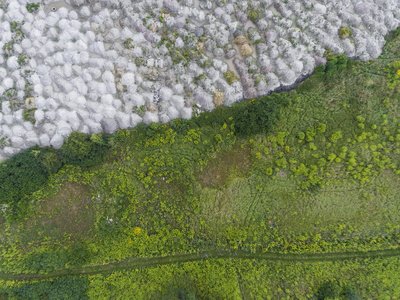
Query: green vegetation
255	15
128	44
32	7
20	176
345	32
84	150
230	77
29	115
393	75
293	195
60	288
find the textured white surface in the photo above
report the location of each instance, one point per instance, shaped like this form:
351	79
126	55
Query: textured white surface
84	77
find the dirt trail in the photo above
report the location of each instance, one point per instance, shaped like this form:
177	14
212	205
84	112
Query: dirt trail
238	254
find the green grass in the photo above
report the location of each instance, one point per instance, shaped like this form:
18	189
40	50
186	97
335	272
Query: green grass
68	215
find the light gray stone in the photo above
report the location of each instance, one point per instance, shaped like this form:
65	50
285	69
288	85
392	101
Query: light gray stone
123	120
109	125
16	141
172	113
49	129
150	117
57	141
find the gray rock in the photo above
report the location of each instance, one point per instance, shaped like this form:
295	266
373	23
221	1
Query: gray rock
199	31
109	79
186	113
320	60
8	151
178	102
373	48
172	113
57	141
44	140
123	120
17	142
204	99
96	7
109	125
250	93
164	118
178	89
84	12
166	93
150	117
272	81
237	33
18	130
363	8
63	128
31	139
94	127
49	129
230	53
135	119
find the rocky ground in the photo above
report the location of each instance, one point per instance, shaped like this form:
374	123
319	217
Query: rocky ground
96	66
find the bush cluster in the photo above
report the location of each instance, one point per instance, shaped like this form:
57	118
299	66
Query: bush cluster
28	170
345	32
249	117
255	15
70	287
84	150
332	290
20	176
334	65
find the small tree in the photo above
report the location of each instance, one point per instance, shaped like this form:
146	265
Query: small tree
255	15
328	290
19	176
350	294
80	149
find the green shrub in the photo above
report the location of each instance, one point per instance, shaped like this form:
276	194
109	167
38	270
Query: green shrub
336	136
50	159
55	259
29	115
392	75
46	261
128	44
350	294
63	288
281	162
259	116
334	64
321	127
328	290
301	135
178	293
32	7
321	162
249	117
255	15
230	77
80	149
20	175
344	32
331	157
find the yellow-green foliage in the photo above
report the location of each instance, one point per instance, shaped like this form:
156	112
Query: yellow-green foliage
392	75
345	32
230	77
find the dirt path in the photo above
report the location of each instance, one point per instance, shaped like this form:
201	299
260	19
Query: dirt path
238	254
